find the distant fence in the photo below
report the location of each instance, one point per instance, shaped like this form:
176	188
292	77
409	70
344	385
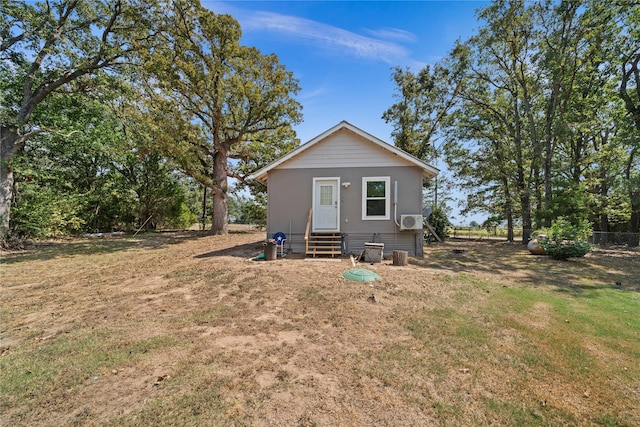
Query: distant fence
474	233
599	238
602	238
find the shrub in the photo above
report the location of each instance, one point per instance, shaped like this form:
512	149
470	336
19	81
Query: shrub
184	218
439	222
43	213
256	212
565	240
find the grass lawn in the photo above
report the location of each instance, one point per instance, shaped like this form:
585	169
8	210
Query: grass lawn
184	329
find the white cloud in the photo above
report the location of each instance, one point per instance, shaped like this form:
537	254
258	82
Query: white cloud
319	91
394	34
380	47
326	36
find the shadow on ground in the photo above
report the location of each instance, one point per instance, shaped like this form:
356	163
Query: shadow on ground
247	250
95	246
614	268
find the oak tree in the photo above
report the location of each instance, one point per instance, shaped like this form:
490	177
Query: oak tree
227	104
55	46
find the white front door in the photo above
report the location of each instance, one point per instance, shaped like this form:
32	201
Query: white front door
326	208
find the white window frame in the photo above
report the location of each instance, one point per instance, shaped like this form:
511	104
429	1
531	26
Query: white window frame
387	197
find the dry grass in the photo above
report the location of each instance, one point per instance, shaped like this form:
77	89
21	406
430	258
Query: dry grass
183	329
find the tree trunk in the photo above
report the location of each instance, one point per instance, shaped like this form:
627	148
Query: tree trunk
634	198
525	201
521	182
219	223
6	195
603	225
634	110
204	207
602	216
522	189
538	213
548	188
8	138
508	209
510	233
534	174
400	257
634	225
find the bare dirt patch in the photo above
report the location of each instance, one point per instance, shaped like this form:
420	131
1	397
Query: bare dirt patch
185	328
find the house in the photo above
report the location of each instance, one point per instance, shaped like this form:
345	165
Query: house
345	188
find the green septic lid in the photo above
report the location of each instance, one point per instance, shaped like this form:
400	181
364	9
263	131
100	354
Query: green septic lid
361	275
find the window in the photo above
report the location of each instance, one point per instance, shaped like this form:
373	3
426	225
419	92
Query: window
326	195
376	197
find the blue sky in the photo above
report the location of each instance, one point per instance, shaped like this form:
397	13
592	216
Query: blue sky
343	52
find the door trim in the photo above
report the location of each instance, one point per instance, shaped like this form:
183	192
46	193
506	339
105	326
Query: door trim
335	179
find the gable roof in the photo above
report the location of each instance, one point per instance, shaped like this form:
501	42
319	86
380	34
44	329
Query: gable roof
428	171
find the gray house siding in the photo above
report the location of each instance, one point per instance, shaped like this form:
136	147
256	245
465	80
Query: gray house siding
334	164
290	196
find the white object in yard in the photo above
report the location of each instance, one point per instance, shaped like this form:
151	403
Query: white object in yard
410	222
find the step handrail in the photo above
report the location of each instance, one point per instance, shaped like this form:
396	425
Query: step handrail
306	233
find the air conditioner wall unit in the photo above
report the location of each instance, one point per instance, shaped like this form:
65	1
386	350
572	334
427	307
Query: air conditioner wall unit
410	222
